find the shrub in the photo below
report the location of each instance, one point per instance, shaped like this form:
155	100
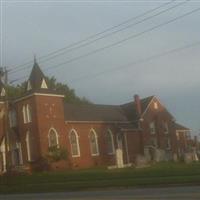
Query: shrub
56	154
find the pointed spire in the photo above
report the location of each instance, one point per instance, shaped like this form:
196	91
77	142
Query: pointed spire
37	80
35	60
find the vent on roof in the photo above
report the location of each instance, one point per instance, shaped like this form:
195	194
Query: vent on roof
3	92
29	86
44	84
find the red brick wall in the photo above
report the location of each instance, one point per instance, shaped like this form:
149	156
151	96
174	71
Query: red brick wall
2	122
103	159
31	127
134	143
159	116
47	113
50	114
86	159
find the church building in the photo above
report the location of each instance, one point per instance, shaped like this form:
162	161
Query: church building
40	126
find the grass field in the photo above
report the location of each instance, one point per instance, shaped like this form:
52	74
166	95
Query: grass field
156	175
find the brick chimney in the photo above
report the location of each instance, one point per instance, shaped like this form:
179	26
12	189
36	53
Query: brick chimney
138	104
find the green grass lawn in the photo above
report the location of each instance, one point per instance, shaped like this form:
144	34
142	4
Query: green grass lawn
156	175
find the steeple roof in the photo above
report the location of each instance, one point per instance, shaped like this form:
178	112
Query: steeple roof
37	80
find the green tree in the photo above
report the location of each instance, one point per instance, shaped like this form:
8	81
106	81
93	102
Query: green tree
70	95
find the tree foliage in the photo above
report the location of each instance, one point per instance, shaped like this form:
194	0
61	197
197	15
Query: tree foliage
70	95
56	154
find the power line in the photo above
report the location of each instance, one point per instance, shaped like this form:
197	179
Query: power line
97	34
141	61
131	64
114	32
125	39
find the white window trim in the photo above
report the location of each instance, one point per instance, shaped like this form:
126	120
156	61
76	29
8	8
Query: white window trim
28	146
3	151
96	142
57	136
28	113
77	143
24	114
29	85
112	141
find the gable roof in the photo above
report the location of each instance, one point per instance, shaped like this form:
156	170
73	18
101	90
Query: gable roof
94	112
181	127
130	111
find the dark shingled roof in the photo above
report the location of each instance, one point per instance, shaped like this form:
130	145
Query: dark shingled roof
130	109
127	126
181	127
93	112
36	77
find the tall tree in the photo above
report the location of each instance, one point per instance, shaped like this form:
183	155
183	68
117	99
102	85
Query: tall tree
70	95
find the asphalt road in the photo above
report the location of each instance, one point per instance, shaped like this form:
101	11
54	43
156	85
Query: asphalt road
182	193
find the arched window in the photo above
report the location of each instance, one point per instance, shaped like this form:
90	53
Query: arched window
29	86
29	145
110	142
24	114
93	143
53	138
28	113
74	141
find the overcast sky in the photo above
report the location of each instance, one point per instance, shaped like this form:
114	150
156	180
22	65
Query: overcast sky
42	27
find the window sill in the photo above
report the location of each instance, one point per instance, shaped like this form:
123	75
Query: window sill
95	154
76	156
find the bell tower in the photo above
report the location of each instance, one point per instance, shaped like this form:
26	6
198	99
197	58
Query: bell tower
45	110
